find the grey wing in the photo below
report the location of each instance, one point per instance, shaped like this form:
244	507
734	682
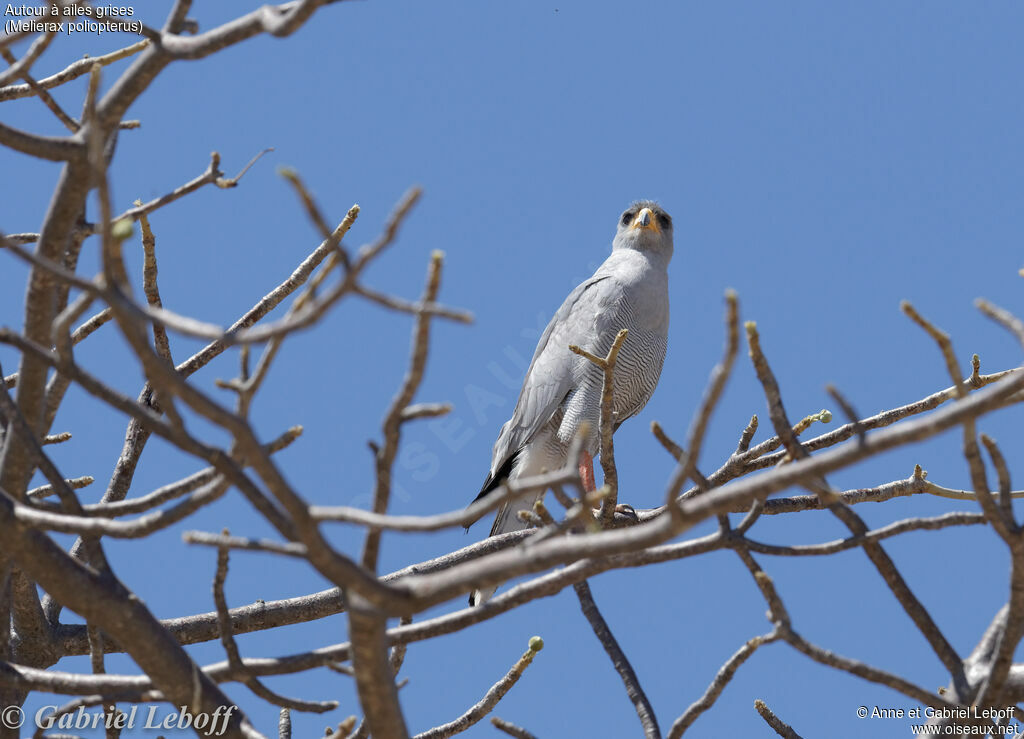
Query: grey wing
550	376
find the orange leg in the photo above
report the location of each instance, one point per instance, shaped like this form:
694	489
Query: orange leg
587	472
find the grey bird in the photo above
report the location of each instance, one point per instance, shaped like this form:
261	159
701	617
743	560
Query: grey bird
562	389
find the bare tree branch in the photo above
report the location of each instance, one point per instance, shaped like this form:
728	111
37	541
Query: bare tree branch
568	546
716	384
782	729
511	729
22	66
883	563
718	684
384	456
71	72
636	694
486	704
235	660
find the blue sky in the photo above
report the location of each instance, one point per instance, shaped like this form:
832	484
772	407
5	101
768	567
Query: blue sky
825	161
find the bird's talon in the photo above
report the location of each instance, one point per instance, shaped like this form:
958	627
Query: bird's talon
625	509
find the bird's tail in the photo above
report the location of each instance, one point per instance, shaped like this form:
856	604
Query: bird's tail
480	596
506	520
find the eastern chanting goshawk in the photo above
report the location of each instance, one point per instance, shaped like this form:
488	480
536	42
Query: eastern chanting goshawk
562	389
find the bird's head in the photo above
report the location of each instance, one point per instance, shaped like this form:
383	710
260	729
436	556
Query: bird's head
645	226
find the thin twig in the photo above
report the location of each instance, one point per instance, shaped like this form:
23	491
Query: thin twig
511	729
848	410
620	662
385	456
718	684
47	99
840	545
21	67
75	483
490	699
780	727
284	724
234	658
510	490
152	290
71	72
970	436
878	556
1002	316
747	435
716	384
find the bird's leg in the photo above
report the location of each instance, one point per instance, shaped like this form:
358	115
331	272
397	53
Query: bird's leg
586	469
587	472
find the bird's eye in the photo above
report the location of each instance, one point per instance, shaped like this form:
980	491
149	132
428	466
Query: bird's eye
664	221
626	219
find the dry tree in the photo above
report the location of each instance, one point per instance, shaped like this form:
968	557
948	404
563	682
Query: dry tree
588	535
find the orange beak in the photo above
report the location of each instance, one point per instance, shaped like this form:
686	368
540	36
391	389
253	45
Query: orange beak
645	219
